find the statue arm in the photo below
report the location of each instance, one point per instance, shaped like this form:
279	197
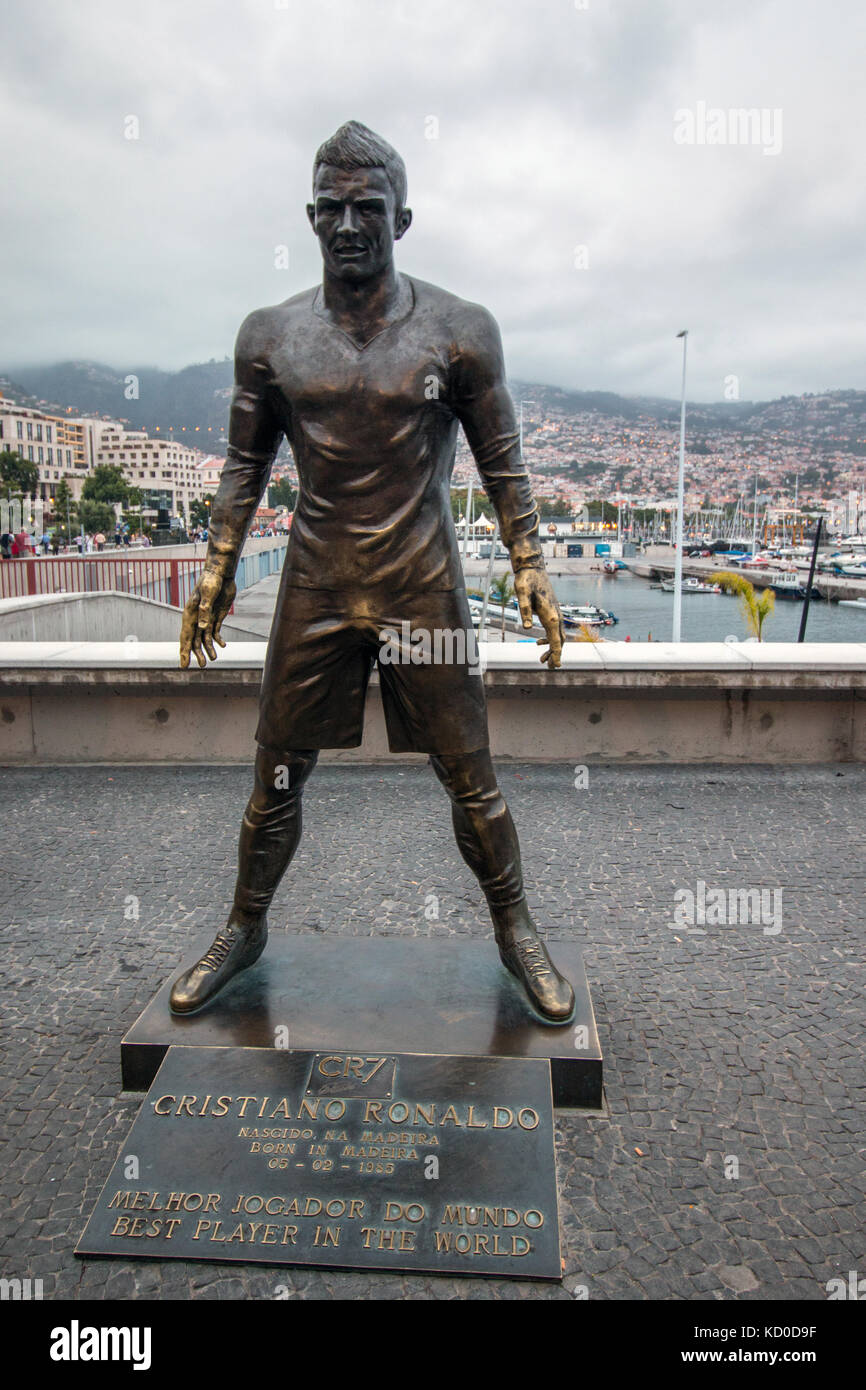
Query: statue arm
484	408
254	438
483	405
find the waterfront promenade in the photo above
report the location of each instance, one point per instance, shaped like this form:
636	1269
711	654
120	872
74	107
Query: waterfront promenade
738	1044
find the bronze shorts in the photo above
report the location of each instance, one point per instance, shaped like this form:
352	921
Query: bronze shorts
323	646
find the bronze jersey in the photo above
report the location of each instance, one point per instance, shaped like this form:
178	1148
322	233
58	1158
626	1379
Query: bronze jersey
373	430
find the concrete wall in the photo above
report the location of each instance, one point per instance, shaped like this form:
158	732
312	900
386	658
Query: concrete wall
106	616
611	702
191	550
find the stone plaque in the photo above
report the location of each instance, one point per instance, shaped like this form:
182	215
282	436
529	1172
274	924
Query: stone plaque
372	1161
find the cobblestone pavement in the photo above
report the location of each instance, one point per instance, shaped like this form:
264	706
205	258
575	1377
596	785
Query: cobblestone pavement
739	1044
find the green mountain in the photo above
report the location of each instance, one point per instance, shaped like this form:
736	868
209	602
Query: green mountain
194	402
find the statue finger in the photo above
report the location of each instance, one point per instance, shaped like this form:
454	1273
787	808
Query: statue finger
525	607
187	634
217	629
196	646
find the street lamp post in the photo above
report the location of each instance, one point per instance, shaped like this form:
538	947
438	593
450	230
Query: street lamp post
467	519
681	476
494	541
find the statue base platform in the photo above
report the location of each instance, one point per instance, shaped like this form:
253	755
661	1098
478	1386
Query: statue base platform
361	994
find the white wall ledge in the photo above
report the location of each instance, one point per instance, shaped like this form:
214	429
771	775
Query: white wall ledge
521	657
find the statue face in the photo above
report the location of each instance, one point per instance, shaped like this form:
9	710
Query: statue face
355	217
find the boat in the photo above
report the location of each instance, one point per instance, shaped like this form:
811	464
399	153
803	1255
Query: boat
586	615
613	566
852	603
786	582
846	562
495	613
690	586
574	615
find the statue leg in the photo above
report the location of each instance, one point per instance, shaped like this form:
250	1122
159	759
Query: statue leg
270	832
487	840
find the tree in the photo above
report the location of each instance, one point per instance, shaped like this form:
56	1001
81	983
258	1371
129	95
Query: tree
500	591
480	504
106	484
61	497
553	506
282	494
63	507
756	607
601	511
16	474
96	516
199	511
132	508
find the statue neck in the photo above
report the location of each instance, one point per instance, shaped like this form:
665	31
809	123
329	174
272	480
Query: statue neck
370	303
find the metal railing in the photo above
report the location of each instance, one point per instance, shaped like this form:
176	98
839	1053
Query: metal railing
168	580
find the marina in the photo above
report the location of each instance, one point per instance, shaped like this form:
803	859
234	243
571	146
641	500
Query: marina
644	611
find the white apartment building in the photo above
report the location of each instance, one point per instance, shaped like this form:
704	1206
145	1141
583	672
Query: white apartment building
156	466
59	447
210	470
169	473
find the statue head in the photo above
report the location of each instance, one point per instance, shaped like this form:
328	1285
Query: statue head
358	209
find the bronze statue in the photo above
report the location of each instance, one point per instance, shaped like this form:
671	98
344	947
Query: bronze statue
370	375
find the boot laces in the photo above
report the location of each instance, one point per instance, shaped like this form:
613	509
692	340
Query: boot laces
534	957
214	957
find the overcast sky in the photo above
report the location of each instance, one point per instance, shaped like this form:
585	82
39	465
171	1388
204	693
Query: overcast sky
556	131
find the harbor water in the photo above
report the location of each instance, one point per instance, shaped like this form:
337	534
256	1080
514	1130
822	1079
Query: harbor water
643	611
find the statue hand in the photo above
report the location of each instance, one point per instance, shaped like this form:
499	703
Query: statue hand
203	616
535	595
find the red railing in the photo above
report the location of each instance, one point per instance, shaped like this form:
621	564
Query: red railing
166	580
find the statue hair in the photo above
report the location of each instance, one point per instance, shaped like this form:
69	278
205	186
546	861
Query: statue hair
355	146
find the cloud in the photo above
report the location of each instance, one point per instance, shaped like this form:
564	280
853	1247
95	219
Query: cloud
555	130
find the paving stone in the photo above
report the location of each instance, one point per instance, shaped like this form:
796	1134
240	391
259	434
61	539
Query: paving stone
740	1278
734	1043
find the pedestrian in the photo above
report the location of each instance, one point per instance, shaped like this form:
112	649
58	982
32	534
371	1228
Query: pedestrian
7	540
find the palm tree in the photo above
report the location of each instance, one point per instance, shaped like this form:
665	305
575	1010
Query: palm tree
756	607
500	591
